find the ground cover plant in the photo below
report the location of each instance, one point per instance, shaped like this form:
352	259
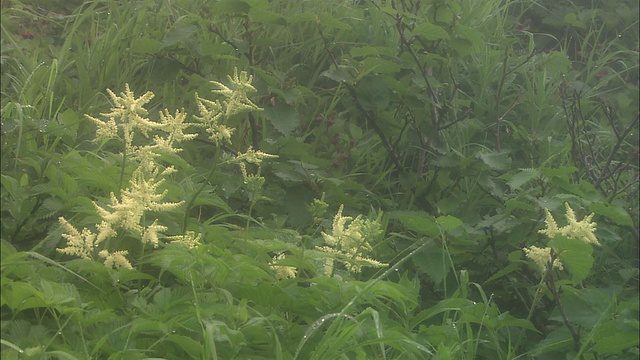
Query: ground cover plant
257	179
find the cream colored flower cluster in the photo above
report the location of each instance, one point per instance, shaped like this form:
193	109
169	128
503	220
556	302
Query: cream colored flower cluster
581	230
348	243
131	210
282	271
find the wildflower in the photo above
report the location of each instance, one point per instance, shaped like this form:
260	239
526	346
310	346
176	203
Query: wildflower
236	101
150	233
79	244
175	126
281	271
252	157
318	208
347	242
131	114
542	258
127	213
115	259
253	182
190	240
582	230
210	114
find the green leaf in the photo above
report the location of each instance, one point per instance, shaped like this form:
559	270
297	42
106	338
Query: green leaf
179	35
575	254
502	272
495	160
422	223
231	6
617	342
572	19
506	319
365	51
521	178
373	93
266	17
190	346
283	118
338	75
617	214
145	45
20	296
449	222
430	31
557	340
434	262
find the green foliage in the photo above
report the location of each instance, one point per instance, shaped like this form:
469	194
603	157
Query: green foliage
420	147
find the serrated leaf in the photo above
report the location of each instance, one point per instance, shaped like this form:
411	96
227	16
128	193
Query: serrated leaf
617	214
422	223
282	117
373	93
575	254
145	45
430	31
338	75
266	17
210	198
506	319
370	51
190	346
502	272
521	178
231	6
616	343
178	35
495	160
557	340
448	222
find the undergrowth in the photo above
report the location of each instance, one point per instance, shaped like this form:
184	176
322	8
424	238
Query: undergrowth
319	180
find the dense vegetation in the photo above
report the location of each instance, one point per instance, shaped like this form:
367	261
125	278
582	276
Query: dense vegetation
255	179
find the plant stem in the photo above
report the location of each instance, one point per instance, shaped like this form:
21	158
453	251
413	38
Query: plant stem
195	195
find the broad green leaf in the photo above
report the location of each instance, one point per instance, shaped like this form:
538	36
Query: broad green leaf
231	6
430	31
502	272
145	45
448	222
506	319
434	262
266	17
179	35
338	75
189	345
572	19
617	342
365	51
211	198
470	34
330	23
616	213
495	160
521	178
557	340
513	204
381	66
575	254
450	304
373	93
20	296
283	117
444	353
422	223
